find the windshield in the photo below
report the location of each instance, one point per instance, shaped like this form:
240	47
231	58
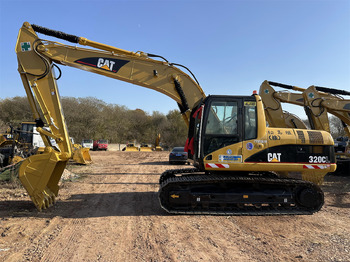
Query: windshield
178	149
222	118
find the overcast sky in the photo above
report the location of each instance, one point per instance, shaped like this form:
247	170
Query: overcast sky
231	46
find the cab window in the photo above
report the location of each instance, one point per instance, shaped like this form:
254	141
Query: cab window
250	123
222	118
221	127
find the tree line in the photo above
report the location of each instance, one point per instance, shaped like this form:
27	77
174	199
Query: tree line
91	118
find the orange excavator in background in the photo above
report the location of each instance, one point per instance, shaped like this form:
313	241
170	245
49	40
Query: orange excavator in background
317	102
242	167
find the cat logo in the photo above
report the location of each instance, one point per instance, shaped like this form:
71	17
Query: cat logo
105	64
274	157
109	64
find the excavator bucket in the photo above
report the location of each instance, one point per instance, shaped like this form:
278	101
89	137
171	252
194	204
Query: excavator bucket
39	175
82	155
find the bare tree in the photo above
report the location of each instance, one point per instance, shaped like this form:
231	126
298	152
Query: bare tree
336	127
91	118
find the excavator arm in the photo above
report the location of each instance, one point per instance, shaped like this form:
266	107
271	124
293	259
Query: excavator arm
317	102
272	100
37	58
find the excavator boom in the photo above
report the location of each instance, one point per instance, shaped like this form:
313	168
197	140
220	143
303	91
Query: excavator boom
134	67
40	174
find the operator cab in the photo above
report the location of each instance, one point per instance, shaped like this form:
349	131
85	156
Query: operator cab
220	121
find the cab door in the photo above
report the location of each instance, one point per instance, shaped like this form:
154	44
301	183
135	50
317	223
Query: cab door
249	117
222	126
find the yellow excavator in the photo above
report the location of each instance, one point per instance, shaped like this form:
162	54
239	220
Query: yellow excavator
12	151
317	102
241	166
157	146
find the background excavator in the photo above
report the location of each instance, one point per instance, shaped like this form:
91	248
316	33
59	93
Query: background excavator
26	141
157	146
12	148
317	102
131	147
19	143
241	165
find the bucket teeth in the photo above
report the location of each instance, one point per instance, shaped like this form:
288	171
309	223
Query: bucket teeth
44	199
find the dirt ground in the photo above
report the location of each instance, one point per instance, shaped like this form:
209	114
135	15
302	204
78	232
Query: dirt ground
113	214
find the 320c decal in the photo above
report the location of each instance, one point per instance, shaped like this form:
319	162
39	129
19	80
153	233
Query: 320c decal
318	159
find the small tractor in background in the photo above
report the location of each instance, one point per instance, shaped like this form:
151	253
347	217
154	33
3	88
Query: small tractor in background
145	148
131	147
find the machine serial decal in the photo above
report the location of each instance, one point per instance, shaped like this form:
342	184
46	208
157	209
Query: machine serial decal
260	141
217	165
229	158
274	157
109	64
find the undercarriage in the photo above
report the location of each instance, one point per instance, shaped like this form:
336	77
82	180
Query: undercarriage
189	191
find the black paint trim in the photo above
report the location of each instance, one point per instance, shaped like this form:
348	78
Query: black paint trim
294	154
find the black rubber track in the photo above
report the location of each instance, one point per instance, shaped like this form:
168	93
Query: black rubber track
175	179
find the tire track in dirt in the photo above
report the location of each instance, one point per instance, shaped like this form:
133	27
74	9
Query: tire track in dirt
76	226
63	247
75	238
38	243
